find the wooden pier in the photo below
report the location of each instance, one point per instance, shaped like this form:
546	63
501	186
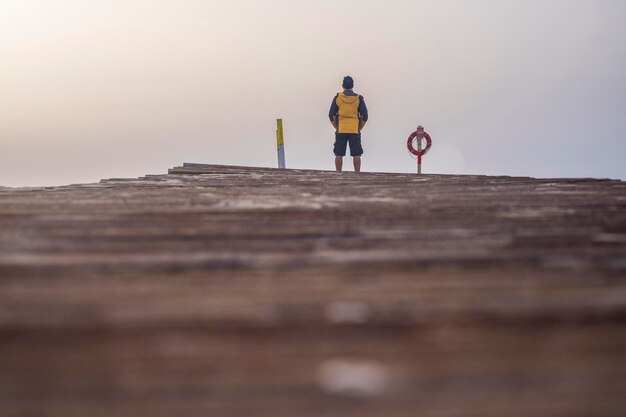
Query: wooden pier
235	291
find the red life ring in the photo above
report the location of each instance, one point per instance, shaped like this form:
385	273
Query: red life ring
409	144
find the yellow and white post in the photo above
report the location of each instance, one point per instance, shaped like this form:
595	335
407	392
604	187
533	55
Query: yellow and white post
280	143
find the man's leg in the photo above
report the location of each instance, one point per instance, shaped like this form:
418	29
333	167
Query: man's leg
356	150
338	163
341	142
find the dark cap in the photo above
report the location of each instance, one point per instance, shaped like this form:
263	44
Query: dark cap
348	82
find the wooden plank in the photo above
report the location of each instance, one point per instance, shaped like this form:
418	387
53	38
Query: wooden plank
229	291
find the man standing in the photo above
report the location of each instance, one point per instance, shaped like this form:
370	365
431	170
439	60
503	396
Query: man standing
348	114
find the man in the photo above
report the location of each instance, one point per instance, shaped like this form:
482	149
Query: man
348	115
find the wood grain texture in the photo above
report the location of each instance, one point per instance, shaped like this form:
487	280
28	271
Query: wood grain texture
234	291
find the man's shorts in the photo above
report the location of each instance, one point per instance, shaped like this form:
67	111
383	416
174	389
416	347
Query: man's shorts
342	140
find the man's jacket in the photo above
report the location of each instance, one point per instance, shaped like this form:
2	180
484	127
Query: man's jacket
349	109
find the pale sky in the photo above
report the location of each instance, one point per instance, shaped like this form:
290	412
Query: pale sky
93	89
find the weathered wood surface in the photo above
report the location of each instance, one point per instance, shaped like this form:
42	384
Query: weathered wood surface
231	291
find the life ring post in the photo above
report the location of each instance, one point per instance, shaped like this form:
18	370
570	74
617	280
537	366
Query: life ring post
420	136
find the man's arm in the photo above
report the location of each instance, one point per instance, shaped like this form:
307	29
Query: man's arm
333	112
363	116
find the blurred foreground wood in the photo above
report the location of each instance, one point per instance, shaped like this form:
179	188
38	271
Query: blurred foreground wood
232	291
